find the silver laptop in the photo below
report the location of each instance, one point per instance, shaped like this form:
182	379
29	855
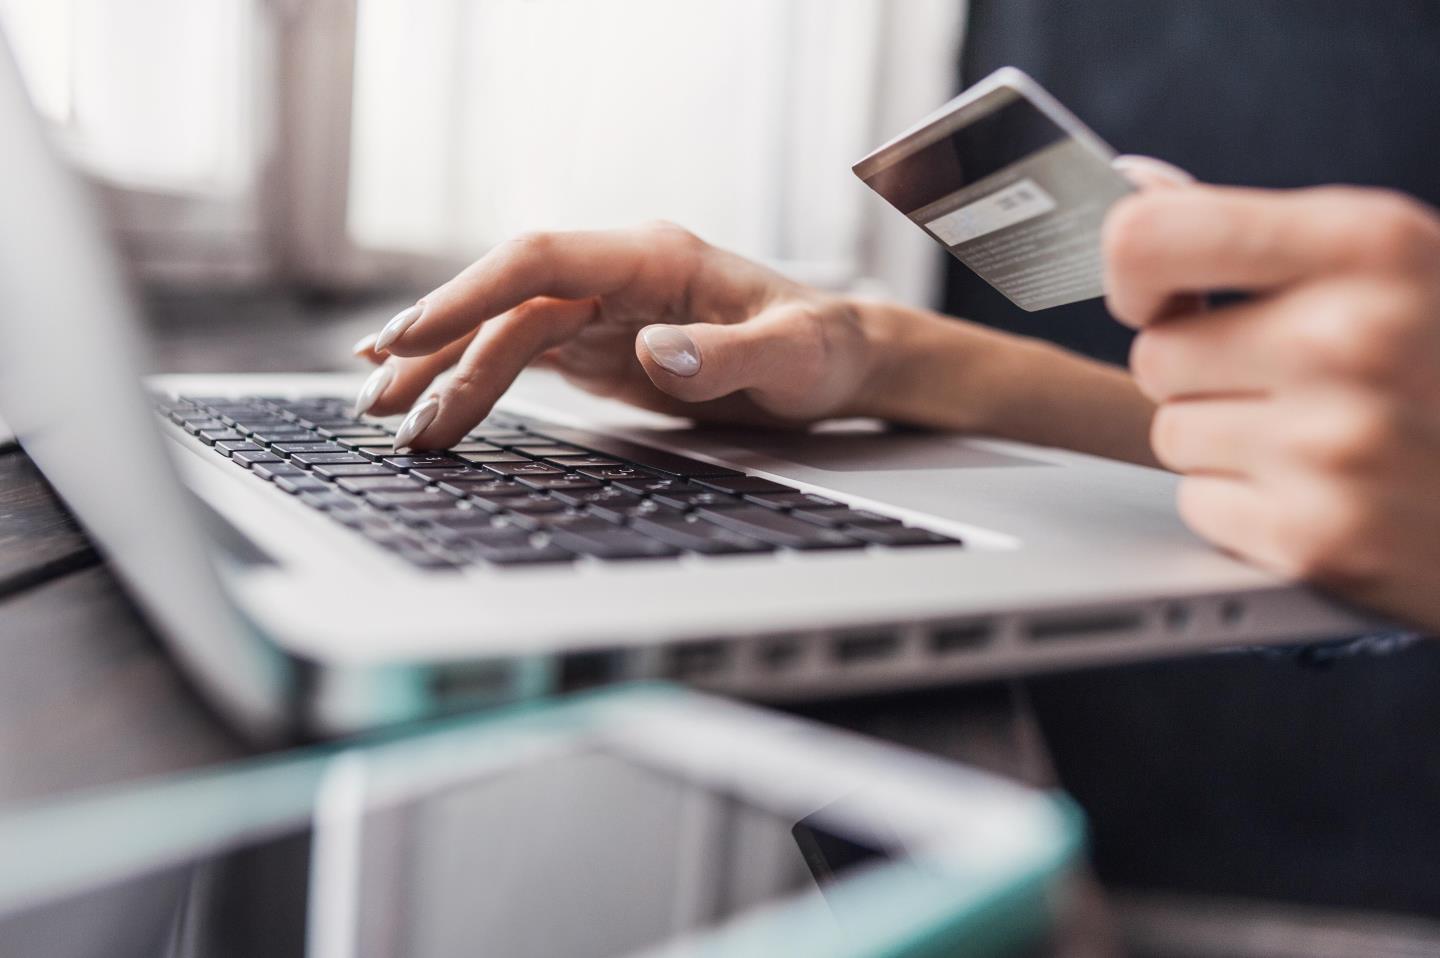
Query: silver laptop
773	566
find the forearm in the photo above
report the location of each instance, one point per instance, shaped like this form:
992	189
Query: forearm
946	374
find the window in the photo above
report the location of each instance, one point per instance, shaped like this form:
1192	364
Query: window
358	141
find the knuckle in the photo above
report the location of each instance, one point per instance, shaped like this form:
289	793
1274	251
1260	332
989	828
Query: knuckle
673	234
1352	338
1337	540
528	245
1354	438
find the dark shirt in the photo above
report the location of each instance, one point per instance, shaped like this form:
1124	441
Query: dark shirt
1224	774
1255	92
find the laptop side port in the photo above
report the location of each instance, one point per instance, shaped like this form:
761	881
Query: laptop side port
472	683
697	660
777	653
591	668
854	648
958	637
1081	625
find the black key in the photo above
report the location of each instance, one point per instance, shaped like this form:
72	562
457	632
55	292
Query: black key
452	473
666	462
546	451
521	554
249	459
744	485
397	500
468	524
621	514
615	473
558	483
421	460
473	447
697	499
644	486
579	462
607	495
485	457
482	487
697	535
350	469
501	436
535	504
364	485
790	500
837	516
352	431
381	441
327	458
610	542
329	501
269	436
211	436
298	484
196	426
528	468
434	512
767	525
290	448
488	534
270	470
900	536
549	521
229	446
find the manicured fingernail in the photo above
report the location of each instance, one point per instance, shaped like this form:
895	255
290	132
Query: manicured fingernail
364	345
378	382
394	329
672	348
417	422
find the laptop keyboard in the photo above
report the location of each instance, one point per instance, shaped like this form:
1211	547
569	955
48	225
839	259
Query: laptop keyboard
520	492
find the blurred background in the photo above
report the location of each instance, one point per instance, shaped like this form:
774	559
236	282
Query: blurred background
348	149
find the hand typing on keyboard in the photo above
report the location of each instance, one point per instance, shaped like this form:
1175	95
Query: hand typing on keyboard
651	315
518	492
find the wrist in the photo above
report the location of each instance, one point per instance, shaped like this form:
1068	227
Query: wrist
930	370
943	373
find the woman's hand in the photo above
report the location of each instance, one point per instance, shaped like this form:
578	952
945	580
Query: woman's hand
652	315
1307	418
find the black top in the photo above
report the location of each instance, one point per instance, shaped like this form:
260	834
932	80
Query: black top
1254	92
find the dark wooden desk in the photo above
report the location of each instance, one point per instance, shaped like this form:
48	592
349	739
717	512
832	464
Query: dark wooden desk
88	697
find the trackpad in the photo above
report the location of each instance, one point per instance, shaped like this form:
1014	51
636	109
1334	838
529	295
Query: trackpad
864	450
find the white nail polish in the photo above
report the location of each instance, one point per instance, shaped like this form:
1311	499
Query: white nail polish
417	422
364	344
672	348
394	329
378	382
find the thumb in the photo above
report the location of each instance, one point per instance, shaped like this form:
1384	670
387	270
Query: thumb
779	353
1149	173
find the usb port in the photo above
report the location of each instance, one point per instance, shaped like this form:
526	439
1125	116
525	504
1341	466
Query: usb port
960	637
695	659
858	647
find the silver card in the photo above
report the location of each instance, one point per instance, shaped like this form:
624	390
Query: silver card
1009	182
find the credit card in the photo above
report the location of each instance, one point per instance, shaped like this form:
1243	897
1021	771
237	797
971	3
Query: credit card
1011	184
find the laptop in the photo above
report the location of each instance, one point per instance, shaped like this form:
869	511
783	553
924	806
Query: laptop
569	541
